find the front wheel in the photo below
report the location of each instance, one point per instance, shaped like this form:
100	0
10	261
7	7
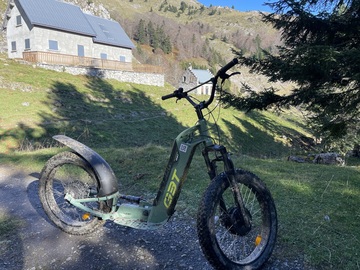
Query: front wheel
68	173
225	240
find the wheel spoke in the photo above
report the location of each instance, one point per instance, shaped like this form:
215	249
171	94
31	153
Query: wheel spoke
67	173
238	244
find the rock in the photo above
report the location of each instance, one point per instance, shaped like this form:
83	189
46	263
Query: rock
328	158
322	158
296	159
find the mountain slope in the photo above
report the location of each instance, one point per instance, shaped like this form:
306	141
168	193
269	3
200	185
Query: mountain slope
199	35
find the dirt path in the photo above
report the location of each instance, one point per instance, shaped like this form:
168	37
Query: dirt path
38	244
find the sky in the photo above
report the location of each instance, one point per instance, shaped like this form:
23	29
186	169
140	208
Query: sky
242	5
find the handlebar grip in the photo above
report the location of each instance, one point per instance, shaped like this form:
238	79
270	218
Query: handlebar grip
225	68
168	96
179	93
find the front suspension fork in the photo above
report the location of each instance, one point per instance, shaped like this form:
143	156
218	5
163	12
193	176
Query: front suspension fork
230	172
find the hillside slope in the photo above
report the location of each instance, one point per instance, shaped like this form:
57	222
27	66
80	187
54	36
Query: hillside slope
38	103
203	36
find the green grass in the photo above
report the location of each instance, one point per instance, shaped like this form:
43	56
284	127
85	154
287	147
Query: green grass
317	209
8	225
133	130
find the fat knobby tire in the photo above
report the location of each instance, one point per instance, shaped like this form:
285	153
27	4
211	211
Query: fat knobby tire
207	232
46	195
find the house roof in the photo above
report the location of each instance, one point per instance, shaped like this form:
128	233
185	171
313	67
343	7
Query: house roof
109	32
202	75
67	17
55	15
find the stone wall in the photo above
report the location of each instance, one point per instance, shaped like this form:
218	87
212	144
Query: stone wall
122	76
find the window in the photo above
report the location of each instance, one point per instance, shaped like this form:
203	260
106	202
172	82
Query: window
122	58
27	44
18	20
106	32
13	46
81	51
103	56
53	45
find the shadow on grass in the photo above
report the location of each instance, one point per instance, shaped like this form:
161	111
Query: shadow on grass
321	200
98	115
272	140
11	242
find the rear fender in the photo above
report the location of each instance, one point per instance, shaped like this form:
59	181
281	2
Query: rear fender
103	171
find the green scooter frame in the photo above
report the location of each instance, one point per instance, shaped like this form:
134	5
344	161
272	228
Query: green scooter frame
143	215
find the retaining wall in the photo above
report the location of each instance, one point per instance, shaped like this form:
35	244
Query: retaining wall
122	76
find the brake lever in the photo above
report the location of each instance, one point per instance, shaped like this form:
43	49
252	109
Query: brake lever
180	94
227	76
234	73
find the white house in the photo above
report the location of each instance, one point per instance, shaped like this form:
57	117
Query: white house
194	77
56	27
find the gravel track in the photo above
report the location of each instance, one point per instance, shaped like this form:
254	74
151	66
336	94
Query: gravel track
38	244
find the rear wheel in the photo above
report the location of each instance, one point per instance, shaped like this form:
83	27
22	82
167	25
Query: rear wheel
224	238
68	173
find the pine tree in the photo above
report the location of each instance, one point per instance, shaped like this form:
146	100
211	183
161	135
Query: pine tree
183	6
166	45
153	36
321	54
140	35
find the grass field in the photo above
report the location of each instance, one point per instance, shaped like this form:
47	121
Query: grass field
133	130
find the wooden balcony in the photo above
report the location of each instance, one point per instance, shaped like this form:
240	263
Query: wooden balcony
87	62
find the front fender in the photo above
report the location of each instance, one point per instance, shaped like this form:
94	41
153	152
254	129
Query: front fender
106	176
